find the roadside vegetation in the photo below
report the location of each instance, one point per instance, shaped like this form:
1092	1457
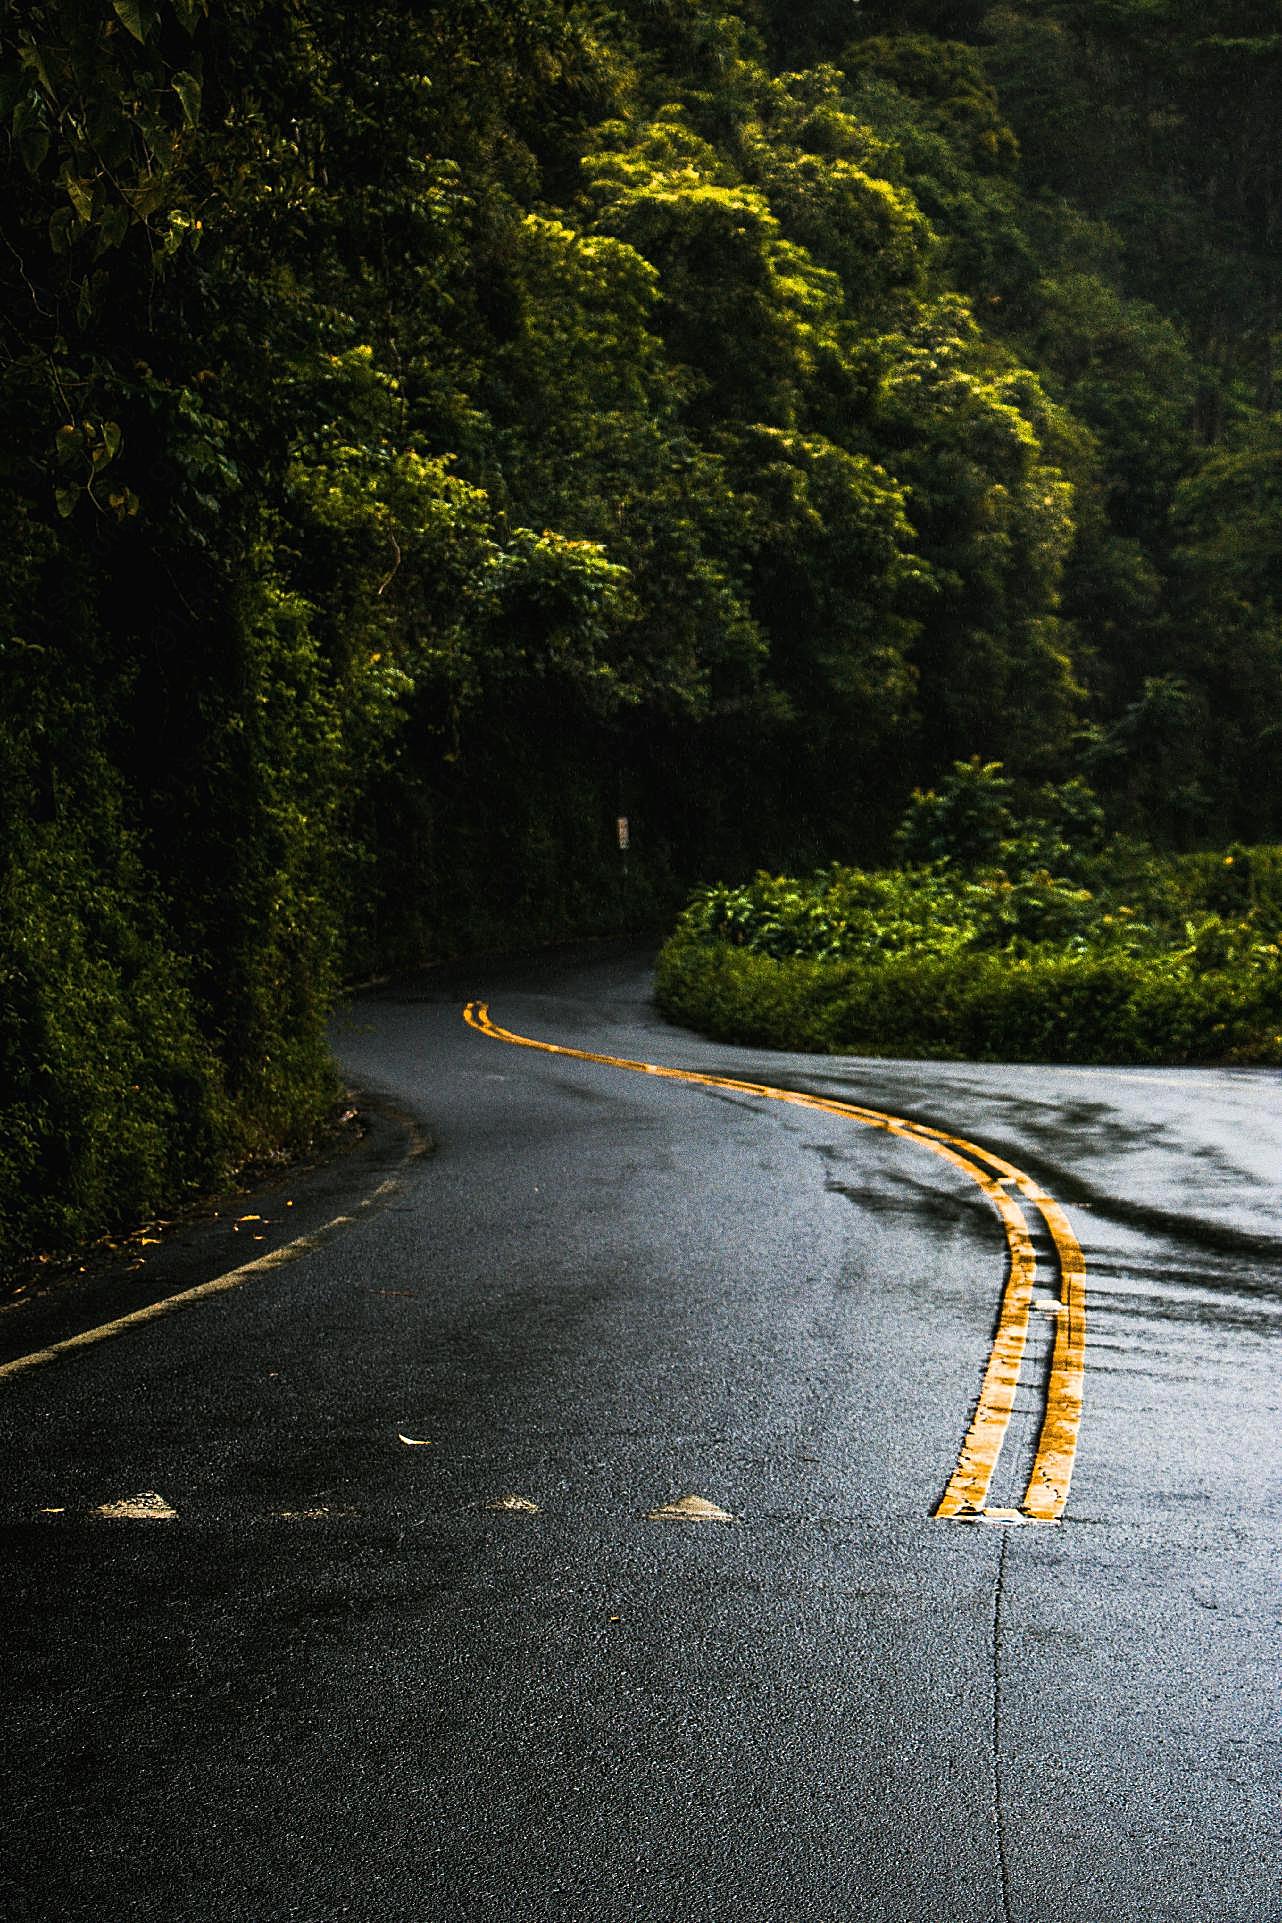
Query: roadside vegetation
1004	937
430	433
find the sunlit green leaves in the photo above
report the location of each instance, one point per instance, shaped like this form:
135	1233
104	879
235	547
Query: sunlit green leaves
558	604
502	416
135	16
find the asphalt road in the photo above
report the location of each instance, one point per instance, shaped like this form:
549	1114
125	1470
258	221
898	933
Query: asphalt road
336	1683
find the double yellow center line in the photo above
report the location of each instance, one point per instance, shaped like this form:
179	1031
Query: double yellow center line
966	1497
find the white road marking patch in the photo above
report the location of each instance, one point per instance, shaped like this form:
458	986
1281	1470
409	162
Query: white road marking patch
690	1509
996	1518
234	1278
148	1506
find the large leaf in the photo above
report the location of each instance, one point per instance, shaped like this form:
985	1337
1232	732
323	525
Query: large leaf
62	223
131	16
187	87
80	194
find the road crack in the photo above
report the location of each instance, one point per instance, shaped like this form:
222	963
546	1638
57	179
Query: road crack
999	1806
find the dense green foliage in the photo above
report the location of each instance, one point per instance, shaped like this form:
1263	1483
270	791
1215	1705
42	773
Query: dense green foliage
1042	1007
1014	934
430	432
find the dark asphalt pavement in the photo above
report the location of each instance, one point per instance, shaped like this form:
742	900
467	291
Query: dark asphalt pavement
337	1684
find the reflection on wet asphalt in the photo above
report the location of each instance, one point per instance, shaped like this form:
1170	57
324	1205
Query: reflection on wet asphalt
465	1676
1193	1151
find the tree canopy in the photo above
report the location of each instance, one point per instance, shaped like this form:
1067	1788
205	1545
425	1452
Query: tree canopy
432	432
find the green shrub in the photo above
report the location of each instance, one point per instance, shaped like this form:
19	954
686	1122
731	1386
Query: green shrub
926	962
113	1103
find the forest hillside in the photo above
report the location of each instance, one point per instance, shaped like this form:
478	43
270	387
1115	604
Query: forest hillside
431	433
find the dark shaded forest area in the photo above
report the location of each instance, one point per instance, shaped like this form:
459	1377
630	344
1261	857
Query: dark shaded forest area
432	432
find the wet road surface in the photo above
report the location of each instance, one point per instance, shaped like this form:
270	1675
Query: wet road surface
337	1684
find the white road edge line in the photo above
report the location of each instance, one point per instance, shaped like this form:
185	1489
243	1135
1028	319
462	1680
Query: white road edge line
220	1284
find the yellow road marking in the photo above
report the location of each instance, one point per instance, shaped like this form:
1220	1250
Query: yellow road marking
967	1492
220	1284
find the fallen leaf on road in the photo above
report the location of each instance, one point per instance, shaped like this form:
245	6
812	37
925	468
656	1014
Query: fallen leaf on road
413	1442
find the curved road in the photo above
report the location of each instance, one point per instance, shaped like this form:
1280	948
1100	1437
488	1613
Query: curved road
382	1629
